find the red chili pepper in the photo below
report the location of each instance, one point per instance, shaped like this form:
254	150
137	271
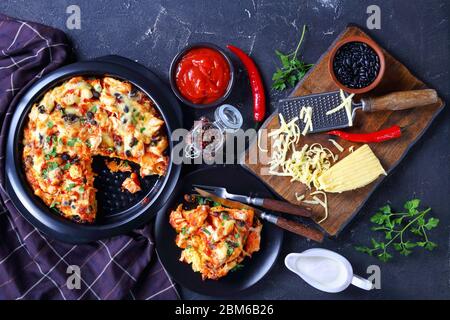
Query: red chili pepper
377	136
259	96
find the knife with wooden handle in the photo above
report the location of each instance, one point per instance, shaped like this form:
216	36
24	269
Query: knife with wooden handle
287	207
293	226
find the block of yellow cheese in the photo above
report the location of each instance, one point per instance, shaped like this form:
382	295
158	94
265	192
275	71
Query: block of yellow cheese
355	171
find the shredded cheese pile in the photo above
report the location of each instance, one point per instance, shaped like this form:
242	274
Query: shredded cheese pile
304	165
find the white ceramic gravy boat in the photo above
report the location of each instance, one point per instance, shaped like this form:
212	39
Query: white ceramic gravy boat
325	270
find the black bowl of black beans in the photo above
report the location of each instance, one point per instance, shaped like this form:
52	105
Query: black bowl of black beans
357	65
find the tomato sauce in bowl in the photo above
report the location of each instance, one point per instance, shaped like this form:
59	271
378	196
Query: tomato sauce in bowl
202	75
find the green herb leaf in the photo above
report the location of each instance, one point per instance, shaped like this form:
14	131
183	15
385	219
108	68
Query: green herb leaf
50	124
237	267
54	204
71	186
52	165
71	142
431	223
230	249
206	231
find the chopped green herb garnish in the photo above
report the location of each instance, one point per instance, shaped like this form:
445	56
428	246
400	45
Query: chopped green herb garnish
184	231
237	236
71	186
94	109
54	204
225	216
67	166
72	142
142	130
51	154
81	189
45	173
88	144
50	124
206	231
216	204
237	267
230	249
52	165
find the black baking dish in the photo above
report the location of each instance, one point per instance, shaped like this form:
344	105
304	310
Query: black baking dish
118	212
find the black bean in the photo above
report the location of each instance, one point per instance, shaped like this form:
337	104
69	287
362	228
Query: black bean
95	94
65	157
41	109
126	109
89	115
133	142
74	160
128	153
70	117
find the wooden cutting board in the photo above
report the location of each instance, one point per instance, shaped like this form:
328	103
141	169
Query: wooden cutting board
342	207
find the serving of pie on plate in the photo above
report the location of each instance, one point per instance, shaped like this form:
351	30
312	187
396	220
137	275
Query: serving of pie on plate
214	239
82	118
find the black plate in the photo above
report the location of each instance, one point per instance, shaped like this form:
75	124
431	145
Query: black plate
235	180
119	212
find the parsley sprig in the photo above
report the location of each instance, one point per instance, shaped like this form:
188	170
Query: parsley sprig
402	230
293	69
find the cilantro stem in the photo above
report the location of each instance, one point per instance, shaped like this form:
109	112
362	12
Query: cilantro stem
300	43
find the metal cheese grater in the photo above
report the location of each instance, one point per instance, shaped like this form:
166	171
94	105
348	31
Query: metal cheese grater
323	102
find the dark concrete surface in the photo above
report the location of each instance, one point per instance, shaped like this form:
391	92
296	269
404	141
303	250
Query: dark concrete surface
416	32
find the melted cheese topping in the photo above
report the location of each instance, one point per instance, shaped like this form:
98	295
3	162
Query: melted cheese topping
81	118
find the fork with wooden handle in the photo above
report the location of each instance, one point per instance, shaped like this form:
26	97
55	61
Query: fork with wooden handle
266	203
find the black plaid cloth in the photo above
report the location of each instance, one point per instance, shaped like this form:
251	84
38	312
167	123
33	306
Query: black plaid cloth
32	266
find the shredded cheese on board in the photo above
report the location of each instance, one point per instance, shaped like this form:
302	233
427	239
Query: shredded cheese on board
304	165
337	145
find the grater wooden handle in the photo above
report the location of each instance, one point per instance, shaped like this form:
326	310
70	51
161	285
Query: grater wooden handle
400	100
